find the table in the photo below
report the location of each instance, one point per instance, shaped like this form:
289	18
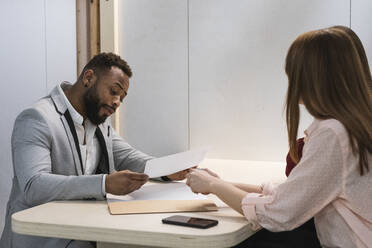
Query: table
91	220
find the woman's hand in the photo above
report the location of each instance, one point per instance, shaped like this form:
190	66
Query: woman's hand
201	181
210	172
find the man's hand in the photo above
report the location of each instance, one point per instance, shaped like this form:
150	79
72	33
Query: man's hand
124	182
178	176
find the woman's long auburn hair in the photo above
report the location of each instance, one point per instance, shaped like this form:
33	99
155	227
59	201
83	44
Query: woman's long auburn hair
325	71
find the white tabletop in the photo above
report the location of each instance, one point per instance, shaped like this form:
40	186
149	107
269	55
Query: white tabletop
91	220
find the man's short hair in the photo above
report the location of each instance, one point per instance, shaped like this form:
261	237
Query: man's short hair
103	62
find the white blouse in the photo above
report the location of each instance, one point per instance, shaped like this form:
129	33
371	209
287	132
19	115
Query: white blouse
326	184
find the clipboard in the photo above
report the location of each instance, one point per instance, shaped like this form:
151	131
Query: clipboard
160	198
161	206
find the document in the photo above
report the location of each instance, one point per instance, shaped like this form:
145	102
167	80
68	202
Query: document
173	163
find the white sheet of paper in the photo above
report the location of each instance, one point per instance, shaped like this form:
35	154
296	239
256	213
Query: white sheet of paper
159	191
173	163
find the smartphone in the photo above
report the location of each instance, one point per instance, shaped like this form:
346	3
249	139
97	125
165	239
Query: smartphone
189	221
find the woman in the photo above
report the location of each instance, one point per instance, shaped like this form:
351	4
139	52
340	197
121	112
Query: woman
331	182
367	73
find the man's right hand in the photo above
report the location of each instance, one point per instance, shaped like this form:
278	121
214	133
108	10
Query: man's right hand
124	182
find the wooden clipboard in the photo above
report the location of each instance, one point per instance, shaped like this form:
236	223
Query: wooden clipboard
161	206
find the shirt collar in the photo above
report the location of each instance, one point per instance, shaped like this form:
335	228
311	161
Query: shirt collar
76	117
312	127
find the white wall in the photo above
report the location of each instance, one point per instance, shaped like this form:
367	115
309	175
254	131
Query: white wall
217	66
237	78
361	23
153	40
37	50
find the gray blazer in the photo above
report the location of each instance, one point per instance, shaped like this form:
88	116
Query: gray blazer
47	164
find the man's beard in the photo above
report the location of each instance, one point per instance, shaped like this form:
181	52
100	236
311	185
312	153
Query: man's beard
92	106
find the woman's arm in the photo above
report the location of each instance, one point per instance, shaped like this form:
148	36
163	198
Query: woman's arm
248	188
229	194
203	182
315	182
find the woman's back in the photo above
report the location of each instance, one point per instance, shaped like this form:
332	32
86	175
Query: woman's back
343	221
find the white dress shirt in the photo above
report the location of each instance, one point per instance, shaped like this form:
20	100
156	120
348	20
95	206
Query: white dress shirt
89	146
326	184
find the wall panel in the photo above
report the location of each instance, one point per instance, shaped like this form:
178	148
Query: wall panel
237	78
61	42
23	73
153	39
361	20
36	48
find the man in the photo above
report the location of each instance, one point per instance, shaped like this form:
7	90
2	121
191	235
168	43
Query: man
64	148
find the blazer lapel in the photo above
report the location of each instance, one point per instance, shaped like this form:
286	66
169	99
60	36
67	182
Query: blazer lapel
77	153
69	126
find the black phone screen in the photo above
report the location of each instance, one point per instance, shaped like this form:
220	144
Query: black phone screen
189	221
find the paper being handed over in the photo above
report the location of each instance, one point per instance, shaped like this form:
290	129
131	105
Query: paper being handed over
173	163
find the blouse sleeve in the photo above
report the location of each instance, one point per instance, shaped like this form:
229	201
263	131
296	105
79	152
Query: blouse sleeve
315	182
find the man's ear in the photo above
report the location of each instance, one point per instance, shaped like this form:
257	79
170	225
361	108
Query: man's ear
88	78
